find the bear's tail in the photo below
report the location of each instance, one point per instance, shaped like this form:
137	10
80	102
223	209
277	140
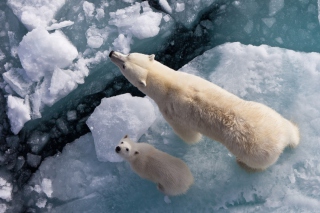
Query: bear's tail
295	135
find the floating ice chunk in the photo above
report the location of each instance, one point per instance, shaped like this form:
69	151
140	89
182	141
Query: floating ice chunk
275	6
88	9
62	83
13	43
165	5
18	113
122	43
96	37
180	7
60	25
37	141
114	118
5	190
100	14
33	13
147	25
130	21
40	53
269	21
249	27
18	81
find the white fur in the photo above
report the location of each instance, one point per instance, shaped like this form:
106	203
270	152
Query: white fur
253	132
171	174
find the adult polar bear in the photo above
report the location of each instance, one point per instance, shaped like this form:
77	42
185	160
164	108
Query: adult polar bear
253	132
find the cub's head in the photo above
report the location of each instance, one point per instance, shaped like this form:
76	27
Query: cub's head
133	66
126	148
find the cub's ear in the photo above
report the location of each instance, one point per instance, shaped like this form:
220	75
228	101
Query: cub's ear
151	57
143	83
136	152
126	136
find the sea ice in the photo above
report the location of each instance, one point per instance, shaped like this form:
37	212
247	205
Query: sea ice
116	117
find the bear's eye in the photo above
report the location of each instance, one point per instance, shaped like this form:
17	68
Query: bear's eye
127	149
123	66
121	142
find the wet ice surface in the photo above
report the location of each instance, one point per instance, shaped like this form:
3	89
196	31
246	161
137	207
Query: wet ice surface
55	72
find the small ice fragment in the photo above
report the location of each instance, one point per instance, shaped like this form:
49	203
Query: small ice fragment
167	199
60	25
269	21
165	5
18	113
180	7
18	81
72	115
5	189
88	8
41	202
33	160
275	6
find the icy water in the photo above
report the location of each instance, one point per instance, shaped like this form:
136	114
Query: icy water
65	106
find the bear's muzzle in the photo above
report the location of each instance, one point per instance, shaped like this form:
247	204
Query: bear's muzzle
118	149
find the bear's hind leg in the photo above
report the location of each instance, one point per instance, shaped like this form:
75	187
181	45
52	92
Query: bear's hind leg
189	136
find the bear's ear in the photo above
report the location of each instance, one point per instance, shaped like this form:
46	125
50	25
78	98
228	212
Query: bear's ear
126	136
136	152
151	57
143	83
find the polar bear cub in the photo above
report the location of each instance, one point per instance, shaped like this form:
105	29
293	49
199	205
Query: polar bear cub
171	174
253	132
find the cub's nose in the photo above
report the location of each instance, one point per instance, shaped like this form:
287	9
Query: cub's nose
118	149
110	54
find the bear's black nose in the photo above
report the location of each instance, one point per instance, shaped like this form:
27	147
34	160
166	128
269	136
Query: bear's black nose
118	149
110	54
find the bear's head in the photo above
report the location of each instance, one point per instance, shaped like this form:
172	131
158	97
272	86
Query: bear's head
133	66
126	148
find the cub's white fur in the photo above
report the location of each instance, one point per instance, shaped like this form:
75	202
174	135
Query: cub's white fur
171	174
253	132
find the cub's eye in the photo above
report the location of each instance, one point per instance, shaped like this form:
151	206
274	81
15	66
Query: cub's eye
123	66
127	149
121	142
